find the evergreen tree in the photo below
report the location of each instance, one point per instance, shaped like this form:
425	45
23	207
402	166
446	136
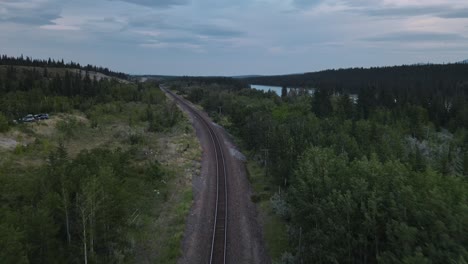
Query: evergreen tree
321	102
284	92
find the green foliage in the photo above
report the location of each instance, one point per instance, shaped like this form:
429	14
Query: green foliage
3	123
275	230
135	139
372	182
321	103
28	61
11	242
371	211
196	95
47	214
30	91
163	117
69	126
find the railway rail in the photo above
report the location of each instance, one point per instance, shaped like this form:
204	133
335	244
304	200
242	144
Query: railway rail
219	238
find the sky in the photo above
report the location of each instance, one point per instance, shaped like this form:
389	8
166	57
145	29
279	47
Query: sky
236	37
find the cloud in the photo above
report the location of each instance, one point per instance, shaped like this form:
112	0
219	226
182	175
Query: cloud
198	38
404	11
160	30
156	3
440	11
403	8
60	27
458	13
147	21
106	24
216	31
160	23
37	12
416	37
170	45
306	3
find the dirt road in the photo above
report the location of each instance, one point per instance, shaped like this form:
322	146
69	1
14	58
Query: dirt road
244	235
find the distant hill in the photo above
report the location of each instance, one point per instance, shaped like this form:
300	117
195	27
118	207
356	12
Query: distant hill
464	62
245	76
53	71
50	63
422	64
146	77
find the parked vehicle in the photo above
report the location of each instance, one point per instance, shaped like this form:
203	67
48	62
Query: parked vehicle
41	116
33	118
29	118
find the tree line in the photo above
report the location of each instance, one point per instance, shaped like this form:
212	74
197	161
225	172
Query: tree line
30	62
35	90
414	77
441	89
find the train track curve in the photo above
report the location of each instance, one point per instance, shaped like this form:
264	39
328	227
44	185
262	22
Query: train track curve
219	235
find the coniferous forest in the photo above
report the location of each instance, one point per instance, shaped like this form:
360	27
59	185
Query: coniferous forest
78	190
30	62
380	180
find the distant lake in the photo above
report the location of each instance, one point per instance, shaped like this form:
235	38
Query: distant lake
276	89
266	88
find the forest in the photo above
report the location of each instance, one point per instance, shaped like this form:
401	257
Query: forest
29	89
427	77
382	180
83	187
30	62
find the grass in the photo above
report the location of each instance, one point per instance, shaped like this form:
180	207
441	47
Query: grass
274	227
161	236
171	250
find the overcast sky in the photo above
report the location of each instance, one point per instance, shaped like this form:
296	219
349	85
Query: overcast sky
236	37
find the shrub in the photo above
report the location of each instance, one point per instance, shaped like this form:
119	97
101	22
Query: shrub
280	206
135	139
3	123
68	126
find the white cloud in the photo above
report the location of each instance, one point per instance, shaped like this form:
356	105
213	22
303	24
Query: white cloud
156	3
174	46
60	27
150	33
29	11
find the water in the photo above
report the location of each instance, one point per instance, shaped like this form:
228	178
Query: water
276	89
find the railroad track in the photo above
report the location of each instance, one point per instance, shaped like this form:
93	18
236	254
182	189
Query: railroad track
218	242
